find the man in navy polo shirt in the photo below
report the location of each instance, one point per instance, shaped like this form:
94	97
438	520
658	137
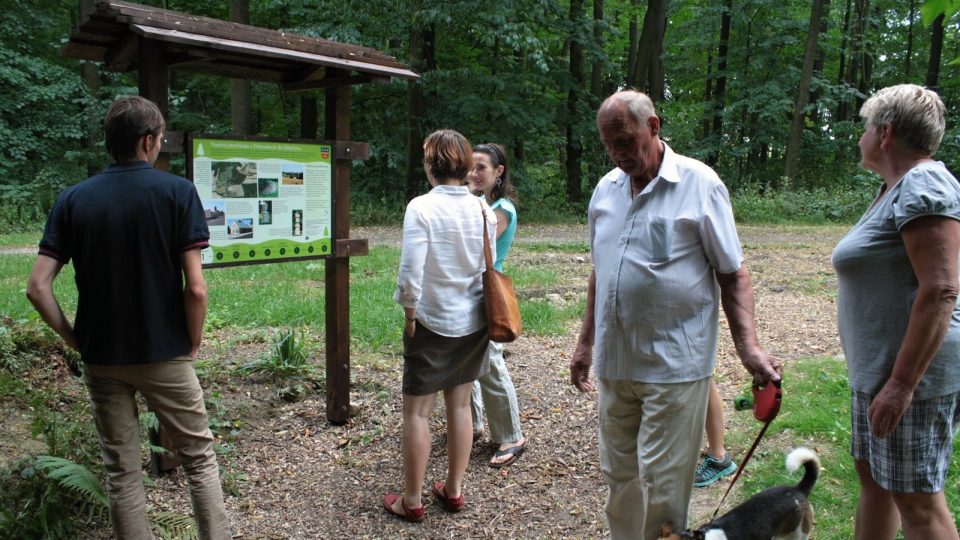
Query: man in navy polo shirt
134	234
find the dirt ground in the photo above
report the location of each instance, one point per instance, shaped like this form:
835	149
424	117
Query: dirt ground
301	477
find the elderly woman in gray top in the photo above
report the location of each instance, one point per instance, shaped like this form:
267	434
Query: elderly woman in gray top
900	322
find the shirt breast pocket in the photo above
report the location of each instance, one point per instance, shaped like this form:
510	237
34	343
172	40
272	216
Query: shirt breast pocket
654	238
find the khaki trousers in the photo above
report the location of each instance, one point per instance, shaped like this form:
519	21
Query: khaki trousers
650	437
173	392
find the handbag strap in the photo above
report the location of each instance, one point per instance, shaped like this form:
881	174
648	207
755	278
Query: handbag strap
486	237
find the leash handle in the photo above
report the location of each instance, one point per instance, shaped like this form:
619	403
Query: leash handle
743	464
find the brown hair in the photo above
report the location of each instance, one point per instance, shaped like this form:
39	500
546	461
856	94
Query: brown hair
128	119
498	156
448	154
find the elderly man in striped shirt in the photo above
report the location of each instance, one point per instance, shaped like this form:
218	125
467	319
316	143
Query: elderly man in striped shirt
666	255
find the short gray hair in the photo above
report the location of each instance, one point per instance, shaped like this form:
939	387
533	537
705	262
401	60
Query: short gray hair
639	104
916	114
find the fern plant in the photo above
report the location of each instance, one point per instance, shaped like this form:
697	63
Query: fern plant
173	526
75	478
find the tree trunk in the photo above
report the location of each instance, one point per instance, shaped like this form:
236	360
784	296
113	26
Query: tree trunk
907	60
866	55
650	46
720	92
90	72
573	147
241	90
634	44
596	75
843	103
936	50
818	64
708	97
422	59
803	94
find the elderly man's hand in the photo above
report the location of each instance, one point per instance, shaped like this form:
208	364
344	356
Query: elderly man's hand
762	365
580	364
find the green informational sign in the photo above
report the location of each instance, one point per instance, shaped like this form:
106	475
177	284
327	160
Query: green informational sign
264	200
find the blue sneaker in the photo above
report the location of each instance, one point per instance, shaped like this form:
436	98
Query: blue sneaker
711	469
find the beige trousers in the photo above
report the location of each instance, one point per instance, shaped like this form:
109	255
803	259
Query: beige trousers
173	392
650	437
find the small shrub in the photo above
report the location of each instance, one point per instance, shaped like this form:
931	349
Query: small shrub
287	358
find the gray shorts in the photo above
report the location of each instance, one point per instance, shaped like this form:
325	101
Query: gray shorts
916	456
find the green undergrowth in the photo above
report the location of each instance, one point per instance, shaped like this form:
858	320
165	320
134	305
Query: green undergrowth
815	413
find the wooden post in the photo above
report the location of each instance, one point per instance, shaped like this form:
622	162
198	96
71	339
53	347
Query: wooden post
337	128
152	80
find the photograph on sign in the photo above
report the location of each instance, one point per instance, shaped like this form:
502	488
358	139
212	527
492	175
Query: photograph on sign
263	199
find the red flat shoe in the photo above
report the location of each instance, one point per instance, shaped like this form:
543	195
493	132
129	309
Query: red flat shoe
414	515
450	503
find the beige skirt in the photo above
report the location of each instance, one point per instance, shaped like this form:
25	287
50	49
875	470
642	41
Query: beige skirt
432	362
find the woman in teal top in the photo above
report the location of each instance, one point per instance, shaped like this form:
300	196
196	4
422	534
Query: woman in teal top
494	393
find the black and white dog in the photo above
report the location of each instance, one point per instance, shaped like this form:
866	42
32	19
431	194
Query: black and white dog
777	513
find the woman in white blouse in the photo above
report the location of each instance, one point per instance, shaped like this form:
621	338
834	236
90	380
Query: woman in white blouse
445	332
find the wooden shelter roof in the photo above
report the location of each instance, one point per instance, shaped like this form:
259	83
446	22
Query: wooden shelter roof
113	31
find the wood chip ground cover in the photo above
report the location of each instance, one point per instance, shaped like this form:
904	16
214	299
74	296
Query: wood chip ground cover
301	477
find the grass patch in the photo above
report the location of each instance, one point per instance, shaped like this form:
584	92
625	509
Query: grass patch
20	239
550	247
816	414
293	295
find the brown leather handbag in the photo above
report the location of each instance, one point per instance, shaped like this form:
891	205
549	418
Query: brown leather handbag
499	297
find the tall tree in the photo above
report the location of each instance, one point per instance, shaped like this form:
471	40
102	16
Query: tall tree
649	49
908	56
423	58
803	93
936	50
633	46
720	90
574	146
241	90
596	74
857	60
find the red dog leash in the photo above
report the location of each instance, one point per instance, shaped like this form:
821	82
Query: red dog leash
766	405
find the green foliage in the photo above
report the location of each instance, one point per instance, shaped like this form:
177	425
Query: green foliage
48	497
287	358
814	207
75	478
173	526
816	414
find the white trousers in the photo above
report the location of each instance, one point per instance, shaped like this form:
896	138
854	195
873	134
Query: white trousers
650	437
495	395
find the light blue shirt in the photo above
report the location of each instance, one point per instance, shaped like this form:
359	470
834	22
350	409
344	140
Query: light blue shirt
878	286
442	260
657	299
506	239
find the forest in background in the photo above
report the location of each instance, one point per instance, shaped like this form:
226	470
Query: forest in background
765	91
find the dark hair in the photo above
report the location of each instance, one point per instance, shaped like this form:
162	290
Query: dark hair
128	119
448	154
498	156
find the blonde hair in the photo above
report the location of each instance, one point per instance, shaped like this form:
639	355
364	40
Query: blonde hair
448	154
916	114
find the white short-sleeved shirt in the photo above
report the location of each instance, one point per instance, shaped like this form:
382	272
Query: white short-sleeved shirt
657	299
442	260
878	286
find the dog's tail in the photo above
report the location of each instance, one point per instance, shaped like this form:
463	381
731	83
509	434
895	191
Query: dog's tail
811	467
